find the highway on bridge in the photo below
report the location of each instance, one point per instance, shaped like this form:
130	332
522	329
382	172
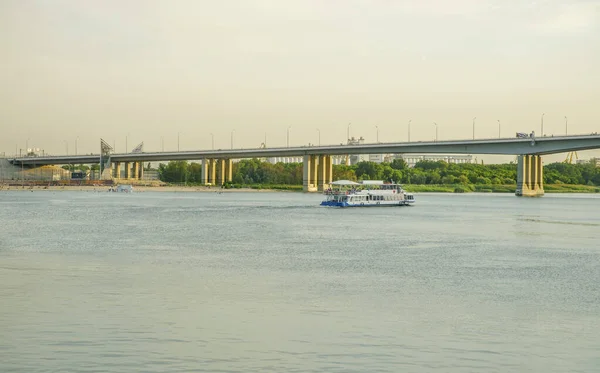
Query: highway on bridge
504	146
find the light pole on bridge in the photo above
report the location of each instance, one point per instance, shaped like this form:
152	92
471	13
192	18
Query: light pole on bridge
498	128
410	120
542	134
177	141
348	131
474	127
76	140
288	136
566	126
377	128
436	131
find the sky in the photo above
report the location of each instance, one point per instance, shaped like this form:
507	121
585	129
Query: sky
171	73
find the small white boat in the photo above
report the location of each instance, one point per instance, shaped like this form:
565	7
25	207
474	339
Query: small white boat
125	188
368	193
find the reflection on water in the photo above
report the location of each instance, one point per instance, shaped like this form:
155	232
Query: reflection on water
243	282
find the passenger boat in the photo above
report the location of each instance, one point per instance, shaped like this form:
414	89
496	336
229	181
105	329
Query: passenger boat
346	193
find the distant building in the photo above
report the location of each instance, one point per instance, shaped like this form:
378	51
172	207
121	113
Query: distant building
274	160
594	161
377	158
412	159
355	158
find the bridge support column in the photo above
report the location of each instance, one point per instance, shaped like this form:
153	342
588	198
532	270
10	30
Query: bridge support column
309	173
117	170
134	170
127	170
322	173
314	161
530	176
329	171
221	173
204	171
213	171
228	170
141	171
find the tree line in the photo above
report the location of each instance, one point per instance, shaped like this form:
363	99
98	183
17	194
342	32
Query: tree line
255	171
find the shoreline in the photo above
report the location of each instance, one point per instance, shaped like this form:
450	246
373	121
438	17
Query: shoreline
562	189
136	189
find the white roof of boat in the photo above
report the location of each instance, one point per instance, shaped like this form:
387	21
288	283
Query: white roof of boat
373	182
344	182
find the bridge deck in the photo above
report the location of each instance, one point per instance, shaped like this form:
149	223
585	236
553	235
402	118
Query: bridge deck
506	146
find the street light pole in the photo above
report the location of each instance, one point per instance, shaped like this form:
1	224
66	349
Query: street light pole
499	128
377	127
76	140
319	131
348	131
474	127
566	126
177	141
410	120
542	134
436	131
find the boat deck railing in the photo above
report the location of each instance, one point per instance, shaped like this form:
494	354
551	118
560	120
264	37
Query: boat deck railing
354	190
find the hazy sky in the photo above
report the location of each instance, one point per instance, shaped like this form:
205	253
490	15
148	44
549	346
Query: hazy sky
150	69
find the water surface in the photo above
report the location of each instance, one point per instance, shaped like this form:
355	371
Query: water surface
259	282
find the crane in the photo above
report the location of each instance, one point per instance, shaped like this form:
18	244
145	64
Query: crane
570	155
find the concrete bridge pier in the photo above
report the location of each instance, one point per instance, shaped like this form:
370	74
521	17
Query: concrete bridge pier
317	172
204	171
134	170
306	174
225	171
213	172
117	169
209	171
325	172
140	174
127	170
530	176
229	170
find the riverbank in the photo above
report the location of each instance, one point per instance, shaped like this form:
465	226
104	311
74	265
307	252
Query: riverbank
491	188
136	189
416	188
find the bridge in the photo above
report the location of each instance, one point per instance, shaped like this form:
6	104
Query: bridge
217	164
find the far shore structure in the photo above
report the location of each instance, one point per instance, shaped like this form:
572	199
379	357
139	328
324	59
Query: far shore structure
217	165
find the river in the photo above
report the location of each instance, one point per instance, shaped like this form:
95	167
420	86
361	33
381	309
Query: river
270	282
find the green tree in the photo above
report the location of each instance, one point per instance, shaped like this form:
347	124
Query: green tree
399	164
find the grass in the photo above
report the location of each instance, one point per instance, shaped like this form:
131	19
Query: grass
567	188
478	188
